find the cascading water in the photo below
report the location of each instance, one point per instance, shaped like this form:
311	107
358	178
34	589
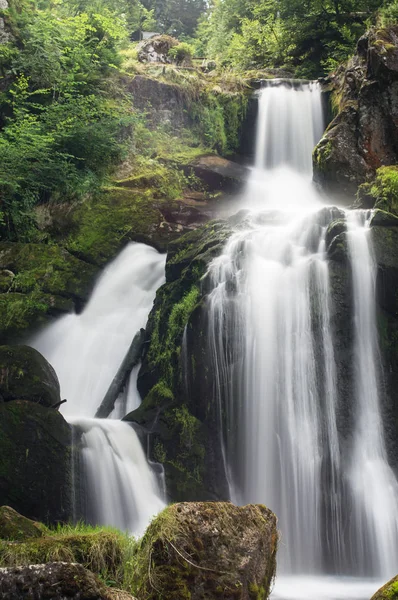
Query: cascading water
373	483
86	351
276	376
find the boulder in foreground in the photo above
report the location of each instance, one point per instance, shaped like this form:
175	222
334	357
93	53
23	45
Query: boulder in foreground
202	550
14	526
56	581
389	591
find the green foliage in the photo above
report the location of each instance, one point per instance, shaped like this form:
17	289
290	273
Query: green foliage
181	54
389	14
62	133
176	17
309	38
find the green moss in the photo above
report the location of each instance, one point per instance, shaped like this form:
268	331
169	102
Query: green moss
322	153
385	189
165	345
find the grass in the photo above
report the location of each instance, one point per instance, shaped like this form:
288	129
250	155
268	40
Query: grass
103	550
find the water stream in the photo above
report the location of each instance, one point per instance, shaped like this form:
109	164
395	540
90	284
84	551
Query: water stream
86	350
276	376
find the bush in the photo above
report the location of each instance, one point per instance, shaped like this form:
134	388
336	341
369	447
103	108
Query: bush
181	54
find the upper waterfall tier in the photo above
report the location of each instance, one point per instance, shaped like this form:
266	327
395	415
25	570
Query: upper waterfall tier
290	123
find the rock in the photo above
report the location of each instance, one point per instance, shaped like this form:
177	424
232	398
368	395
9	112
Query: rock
201	550
56	581
363	136
384	219
334	229
385	244
26	375
43	280
219	173
35	461
389	591
185	433
338	248
156	49
14	526
51	267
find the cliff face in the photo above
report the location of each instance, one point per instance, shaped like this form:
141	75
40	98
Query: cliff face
364	134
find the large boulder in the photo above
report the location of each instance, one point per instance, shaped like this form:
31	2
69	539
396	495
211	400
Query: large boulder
26	375
16	527
389	591
156	49
364	134
202	550
35	461
57	581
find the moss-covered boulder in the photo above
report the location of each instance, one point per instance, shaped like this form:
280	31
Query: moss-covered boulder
15	527
200	550
185	433
26	375
389	591
55	580
35	461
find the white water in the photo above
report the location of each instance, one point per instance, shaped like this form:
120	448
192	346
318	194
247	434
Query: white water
86	351
374	486
275	379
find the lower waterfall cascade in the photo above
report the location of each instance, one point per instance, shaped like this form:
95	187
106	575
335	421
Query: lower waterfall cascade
276	373
86	351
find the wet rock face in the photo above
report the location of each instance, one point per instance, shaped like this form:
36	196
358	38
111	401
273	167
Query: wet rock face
35	461
364	134
57	580
202	550
26	375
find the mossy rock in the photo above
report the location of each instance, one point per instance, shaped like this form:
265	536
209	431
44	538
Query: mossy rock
335	228
17	528
385	190
135	216
338	248
207	550
384	219
21	314
35	461
49	267
26	375
55	580
39	281
182	435
389	591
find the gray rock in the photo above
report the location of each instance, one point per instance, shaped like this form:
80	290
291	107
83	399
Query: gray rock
56	581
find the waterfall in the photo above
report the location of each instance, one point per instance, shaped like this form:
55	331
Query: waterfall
86	350
275	374
374	486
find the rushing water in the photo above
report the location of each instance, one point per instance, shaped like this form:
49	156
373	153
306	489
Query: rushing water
86	351
276	374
